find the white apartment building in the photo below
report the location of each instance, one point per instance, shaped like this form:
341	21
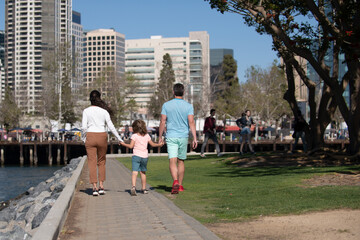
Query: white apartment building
191	63
104	49
34	30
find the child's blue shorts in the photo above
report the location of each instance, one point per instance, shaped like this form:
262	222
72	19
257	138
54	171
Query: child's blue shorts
139	164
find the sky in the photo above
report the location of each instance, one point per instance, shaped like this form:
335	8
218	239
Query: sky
139	19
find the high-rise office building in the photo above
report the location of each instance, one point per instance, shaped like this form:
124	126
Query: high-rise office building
34	31
104	51
216	60
191	64
217	55
2	61
77	52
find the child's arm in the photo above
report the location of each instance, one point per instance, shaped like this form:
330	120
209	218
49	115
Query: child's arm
156	144
131	145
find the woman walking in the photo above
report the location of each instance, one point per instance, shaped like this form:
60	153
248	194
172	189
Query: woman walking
94	134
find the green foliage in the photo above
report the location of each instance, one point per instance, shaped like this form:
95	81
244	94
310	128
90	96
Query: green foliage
58	100
227	101
164	89
117	91
314	31
263	92
218	191
9	111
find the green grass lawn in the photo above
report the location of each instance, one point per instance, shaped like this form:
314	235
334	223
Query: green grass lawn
217	191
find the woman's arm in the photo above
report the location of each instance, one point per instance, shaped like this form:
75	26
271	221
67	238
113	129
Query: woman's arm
111	127
131	145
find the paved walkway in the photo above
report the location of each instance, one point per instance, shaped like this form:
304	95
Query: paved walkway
117	215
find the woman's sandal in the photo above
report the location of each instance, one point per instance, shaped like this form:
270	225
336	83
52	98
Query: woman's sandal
101	191
95	192
133	191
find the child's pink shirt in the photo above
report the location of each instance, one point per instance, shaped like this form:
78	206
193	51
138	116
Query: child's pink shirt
141	144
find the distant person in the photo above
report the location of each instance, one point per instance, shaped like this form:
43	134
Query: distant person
245	123
139	141
178	116
94	120
127	132
210	132
299	131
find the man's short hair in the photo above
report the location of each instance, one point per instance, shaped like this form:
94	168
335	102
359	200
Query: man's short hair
178	89
212	110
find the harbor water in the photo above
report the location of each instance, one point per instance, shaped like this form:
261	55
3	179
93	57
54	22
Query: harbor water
15	180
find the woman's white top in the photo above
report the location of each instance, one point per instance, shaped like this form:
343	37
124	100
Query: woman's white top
95	119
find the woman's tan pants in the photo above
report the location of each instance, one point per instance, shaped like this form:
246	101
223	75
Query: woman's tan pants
96	147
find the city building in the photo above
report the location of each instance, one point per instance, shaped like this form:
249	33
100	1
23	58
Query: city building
34	32
77	52
2	64
104	51
191	64
216	60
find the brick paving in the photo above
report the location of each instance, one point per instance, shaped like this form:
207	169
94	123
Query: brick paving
117	215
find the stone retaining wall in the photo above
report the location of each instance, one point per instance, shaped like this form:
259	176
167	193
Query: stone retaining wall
23	216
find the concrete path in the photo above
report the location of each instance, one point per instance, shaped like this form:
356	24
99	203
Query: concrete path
117	215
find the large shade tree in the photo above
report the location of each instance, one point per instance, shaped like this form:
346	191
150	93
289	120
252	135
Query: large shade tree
10	113
313	30
164	88
262	93
227	102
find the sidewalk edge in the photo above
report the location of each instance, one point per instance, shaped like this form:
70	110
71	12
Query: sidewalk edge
203	231
54	220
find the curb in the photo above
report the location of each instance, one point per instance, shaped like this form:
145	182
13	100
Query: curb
203	231
54	220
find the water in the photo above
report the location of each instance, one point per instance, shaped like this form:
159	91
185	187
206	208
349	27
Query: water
16	180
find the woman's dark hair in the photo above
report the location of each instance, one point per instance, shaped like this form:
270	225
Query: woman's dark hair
212	110
139	126
95	99
178	90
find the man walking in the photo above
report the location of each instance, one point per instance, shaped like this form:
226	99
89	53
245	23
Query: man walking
178	116
210	132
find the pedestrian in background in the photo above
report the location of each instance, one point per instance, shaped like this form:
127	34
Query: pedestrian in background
139	141
299	130
94	121
245	123
210	132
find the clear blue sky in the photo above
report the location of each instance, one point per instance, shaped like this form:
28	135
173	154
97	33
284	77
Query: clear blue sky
176	18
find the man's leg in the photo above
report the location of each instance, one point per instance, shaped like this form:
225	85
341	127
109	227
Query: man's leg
303	139
204	143
296	141
181	171
214	138
173	168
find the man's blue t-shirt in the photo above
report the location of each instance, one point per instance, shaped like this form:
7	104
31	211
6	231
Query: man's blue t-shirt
177	111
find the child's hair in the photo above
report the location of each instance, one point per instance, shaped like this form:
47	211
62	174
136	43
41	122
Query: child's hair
139	126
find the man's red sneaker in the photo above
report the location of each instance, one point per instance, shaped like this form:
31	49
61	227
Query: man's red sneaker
175	187
181	188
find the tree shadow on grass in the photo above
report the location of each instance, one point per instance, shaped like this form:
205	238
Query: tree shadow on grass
281	164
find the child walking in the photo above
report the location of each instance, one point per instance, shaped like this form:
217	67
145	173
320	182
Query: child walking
139	141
